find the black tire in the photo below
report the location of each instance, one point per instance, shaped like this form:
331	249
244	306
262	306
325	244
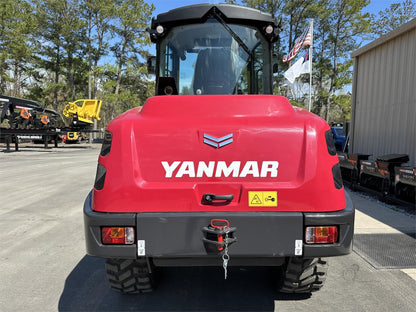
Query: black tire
303	275
130	276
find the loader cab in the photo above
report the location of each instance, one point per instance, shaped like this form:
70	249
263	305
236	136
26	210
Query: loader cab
213	49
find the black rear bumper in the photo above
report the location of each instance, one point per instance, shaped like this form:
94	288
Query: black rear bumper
259	235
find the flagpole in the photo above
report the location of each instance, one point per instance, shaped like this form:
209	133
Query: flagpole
310	68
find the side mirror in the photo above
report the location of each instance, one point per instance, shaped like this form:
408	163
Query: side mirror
151	65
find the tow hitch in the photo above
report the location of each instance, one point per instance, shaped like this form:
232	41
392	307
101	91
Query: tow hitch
218	234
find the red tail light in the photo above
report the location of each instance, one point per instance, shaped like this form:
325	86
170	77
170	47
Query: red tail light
321	234
117	235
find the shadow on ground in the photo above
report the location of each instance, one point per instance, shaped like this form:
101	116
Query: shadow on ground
181	289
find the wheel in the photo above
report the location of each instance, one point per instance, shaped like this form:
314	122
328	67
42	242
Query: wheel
130	276
303	275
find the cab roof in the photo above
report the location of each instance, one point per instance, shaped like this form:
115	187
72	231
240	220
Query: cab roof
198	12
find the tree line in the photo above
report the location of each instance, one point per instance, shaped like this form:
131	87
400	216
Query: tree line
55	51
340	27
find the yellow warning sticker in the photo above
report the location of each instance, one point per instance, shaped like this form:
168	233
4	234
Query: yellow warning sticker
262	199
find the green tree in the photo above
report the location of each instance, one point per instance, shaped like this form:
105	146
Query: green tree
73	37
321	62
337	26
274	7
16	23
341	111
392	17
129	28
346	23
98	15
49	15
54	51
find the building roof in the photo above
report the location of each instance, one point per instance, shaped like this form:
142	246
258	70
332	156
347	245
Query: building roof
387	37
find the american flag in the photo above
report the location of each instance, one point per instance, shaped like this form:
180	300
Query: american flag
304	39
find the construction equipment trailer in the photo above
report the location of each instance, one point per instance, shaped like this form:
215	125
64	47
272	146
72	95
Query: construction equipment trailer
215	170
387	176
27	120
30	120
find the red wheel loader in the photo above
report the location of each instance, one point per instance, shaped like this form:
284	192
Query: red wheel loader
215	170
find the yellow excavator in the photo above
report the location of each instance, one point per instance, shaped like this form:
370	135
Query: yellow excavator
83	113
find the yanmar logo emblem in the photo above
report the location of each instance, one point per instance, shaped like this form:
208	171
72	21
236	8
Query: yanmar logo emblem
218	142
219	169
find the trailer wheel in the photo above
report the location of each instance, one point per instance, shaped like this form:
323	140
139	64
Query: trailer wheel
303	275
130	276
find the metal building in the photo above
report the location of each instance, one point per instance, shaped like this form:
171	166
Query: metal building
383	119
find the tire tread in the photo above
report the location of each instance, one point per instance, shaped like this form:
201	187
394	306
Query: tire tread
303	275
129	276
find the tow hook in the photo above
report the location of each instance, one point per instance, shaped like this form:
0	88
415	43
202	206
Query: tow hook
218	235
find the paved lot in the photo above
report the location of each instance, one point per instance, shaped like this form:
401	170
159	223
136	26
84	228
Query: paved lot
44	266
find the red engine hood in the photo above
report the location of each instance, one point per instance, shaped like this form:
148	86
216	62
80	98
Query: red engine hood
179	148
